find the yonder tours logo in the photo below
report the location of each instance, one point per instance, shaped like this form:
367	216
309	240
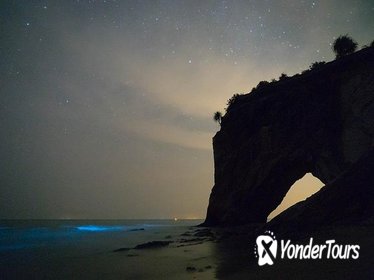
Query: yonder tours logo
267	246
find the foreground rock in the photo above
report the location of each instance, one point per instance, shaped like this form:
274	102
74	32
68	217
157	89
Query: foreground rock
153	244
147	245
320	122
137	229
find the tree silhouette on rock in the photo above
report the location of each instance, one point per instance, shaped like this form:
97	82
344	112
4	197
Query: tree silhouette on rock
231	101
283	77
316	65
344	45
217	117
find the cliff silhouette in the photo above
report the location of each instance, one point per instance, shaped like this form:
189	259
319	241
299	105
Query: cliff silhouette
322	122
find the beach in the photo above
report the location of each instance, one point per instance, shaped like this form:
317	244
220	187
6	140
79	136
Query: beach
160	249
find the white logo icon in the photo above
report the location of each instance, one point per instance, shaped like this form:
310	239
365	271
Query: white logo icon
266	248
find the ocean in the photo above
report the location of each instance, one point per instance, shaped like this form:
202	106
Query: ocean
83	249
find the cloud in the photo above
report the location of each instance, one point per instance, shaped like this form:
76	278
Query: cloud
172	134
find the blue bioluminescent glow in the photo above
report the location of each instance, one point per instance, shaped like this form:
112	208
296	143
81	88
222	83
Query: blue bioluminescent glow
100	228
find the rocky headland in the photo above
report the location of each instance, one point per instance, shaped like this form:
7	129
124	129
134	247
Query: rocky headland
320	121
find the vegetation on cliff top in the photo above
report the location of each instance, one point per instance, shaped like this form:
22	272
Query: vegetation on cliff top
217	117
342	46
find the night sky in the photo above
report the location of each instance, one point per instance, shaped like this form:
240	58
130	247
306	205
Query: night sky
106	106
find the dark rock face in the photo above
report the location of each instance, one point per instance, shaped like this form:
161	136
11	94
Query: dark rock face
320	122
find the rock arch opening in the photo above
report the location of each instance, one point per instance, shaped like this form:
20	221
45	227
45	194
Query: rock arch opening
300	190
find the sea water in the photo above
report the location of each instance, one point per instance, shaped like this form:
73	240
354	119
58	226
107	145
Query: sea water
75	249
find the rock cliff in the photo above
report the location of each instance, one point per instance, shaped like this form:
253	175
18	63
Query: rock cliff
321	122
348	200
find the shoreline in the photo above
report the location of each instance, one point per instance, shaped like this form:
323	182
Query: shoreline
185	252
227	253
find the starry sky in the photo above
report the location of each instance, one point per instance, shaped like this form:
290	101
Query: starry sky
106	106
